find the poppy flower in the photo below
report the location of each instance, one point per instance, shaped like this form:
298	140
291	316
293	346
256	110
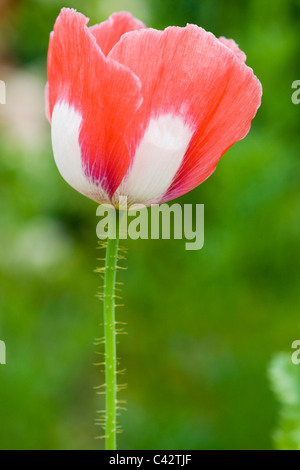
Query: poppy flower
141	113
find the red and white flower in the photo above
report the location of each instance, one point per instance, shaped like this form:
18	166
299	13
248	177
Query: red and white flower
143	113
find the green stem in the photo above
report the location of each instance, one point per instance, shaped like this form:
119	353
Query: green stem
110	338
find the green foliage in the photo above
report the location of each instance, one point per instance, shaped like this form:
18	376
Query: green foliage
285	381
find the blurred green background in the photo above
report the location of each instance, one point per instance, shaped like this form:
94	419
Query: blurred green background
203	326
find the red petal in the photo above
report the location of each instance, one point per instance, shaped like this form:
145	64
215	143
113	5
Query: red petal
105	93
232	45
109	32
187	72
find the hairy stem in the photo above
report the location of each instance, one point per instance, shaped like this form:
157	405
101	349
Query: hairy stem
110	338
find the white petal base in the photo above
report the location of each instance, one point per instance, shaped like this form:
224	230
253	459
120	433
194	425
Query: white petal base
157	160
65	129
